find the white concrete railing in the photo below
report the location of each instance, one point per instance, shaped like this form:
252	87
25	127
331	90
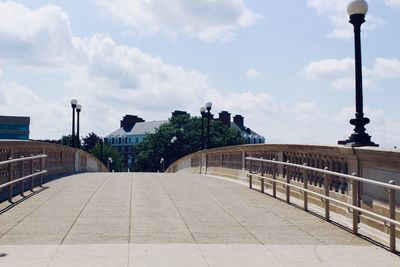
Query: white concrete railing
60	161
373	164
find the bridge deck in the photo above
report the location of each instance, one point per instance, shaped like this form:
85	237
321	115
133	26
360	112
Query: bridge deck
135	219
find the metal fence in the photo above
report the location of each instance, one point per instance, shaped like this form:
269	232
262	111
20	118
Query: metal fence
267	170
20	171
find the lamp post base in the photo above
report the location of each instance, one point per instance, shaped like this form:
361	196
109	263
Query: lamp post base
358	140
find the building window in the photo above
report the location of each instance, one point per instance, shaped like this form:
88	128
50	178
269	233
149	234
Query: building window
137	140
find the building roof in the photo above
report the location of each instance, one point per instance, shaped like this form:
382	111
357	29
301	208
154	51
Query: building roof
140	128
246	132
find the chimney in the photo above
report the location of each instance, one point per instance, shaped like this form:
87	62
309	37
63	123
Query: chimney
177	113
225	118
239	120
128	121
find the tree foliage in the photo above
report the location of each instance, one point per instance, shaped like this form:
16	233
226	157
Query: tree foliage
66	140
90	141
187	129
108	152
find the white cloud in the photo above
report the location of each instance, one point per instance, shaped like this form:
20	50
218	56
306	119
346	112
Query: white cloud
327	6
34	37
253	73
308	113
329	69
19	100
393	3
110	80
340	72
386	68
336	11
205	20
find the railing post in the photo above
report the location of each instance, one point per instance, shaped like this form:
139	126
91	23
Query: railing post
250	165
327	182
200	162
41	169
305	186
22	175
288	182
10	178
262	174
274	177
250	176
354	203
392	214
32	171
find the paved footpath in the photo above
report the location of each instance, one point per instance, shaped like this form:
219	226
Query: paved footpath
131	219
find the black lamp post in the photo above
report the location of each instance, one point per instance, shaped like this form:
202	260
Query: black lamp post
101	150
208	106
78	111
162	164
357	10
203	113
109	162
74	102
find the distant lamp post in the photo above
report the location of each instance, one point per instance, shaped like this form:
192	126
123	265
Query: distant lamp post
208	106
78	111
109	162
101	150
173	140
162	164
357	10
203	113
74	102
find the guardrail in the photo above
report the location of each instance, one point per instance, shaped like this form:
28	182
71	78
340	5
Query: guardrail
303	172
60	161
18	172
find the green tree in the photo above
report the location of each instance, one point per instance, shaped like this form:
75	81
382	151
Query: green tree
108	152
90	141
187	130
66	140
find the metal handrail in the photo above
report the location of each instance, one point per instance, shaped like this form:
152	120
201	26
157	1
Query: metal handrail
22	179
11	181
378	216
348	176
22	158
326	198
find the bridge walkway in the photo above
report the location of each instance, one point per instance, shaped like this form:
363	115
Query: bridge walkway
148	219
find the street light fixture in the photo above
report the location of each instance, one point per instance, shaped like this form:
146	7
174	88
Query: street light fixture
74	102
203	113
357	10
78	111
162	163
109	161
173	139
208	106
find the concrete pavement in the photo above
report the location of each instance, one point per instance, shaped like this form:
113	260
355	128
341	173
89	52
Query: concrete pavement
131	219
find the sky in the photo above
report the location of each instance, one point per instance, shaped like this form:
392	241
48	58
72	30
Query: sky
286	66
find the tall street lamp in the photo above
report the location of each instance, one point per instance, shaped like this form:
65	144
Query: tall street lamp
109	162
208	106
357	10
203	113
78	111
74	102
162	164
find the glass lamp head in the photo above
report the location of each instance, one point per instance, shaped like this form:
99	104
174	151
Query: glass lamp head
357	7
